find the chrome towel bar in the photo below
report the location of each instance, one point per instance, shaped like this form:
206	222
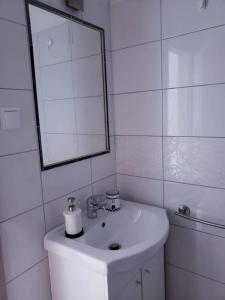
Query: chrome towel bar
184	212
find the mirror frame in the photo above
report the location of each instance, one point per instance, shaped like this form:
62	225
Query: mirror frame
103	56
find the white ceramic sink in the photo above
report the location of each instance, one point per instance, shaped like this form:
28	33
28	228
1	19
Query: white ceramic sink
139	229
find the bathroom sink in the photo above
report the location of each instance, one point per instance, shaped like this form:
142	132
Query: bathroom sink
115	241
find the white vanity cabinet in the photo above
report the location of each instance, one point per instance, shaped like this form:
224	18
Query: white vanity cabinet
132	291
148	283
153	282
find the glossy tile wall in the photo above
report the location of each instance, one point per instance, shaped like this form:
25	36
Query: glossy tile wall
169	98
31	201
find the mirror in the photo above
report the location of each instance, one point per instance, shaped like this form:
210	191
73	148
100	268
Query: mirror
69	76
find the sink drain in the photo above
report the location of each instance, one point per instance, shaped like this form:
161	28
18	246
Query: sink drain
114	246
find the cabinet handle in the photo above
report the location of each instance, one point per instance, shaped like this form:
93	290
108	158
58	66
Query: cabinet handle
147	271
138	282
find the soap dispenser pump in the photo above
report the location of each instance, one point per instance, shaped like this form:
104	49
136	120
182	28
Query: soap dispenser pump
73	221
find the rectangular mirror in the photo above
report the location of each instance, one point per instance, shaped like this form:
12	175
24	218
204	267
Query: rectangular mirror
69	76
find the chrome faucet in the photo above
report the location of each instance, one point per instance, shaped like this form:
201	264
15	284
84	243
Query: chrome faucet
94	203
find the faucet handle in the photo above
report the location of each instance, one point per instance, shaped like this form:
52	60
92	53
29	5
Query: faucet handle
92	202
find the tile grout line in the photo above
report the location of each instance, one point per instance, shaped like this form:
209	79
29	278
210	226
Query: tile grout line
21	214
27	270
170	88
55	199
170	136
167	38
197	274
15	89
12	21
173	181
162	113
18	153
196	230
91	169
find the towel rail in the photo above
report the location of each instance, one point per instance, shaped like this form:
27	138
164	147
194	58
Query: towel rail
184	212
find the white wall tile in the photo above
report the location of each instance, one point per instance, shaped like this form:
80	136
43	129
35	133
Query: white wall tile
13	10
198	252
142	190
109	72
63	180
89	144
60	51
34	284
197	161
25	137
205	203
19	193
53	78
129	63
203	61
134	22
14	56
185	285
138	113
176	16
54	209
104	185
194	111
139	156
104	165
22	242
98	13
90	115
86	41
60	116
60	147
87	76
111	115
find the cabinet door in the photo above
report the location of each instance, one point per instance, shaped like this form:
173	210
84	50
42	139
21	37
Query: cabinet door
132	291
153	280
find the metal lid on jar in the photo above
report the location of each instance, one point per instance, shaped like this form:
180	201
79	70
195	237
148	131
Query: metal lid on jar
112	194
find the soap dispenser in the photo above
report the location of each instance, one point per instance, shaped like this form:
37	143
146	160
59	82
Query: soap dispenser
73	221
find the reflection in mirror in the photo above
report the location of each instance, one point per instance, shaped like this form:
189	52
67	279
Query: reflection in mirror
70	84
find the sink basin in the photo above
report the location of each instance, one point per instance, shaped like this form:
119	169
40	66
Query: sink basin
135	233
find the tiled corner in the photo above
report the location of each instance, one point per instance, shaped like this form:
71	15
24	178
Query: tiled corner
22	242
141	190
103	185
